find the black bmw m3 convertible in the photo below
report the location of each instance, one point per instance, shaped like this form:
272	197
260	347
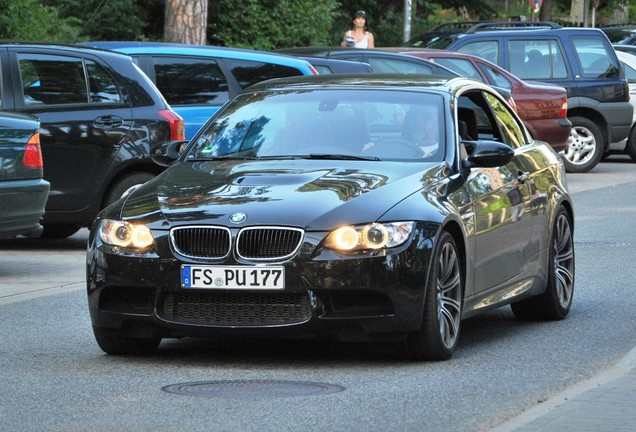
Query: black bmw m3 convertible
374	207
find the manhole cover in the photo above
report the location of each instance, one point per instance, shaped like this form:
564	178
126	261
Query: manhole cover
252	389
594	244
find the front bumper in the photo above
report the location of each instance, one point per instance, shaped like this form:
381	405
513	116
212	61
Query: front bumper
347	298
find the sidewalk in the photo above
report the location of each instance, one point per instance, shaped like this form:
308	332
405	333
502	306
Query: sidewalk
26	275
606	402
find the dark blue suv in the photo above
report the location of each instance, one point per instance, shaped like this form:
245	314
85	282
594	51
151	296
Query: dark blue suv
580	59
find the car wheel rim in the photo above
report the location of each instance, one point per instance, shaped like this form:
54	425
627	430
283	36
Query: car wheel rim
581	146
563	261
448	295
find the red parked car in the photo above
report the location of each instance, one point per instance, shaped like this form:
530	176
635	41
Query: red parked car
542	107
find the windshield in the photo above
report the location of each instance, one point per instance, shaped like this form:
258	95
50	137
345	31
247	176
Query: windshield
365	124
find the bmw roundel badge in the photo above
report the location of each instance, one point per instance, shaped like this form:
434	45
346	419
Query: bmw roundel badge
237	218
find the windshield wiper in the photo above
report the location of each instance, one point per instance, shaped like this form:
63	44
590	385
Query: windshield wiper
339	157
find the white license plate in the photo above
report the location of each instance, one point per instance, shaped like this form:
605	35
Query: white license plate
233	277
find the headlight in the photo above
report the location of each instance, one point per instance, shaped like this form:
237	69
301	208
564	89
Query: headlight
125	234
369	237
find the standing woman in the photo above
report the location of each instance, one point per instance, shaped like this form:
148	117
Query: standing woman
358	36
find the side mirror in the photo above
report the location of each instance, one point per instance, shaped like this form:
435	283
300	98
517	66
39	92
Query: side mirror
487	154
167	152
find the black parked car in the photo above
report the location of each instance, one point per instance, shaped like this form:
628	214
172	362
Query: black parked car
23	192
99	116
579	59
378	206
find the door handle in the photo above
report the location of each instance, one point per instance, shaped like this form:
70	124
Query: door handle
108	121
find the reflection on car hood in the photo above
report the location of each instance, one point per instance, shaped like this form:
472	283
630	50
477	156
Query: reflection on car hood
305	193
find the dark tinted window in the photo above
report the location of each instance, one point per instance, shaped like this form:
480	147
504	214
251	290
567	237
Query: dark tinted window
186	81
249	72
51	79
102	86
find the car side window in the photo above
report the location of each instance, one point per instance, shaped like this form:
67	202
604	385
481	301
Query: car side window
630	73
496	77
594	57
488	50
536	59
476	117
461	66
52	79
102	87
189	81
250	72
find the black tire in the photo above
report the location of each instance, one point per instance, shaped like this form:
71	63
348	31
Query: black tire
121	185
112	344
438	335
630	148
58	231
586	147
555	303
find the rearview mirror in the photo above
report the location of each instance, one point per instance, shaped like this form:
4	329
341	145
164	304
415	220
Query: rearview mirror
167	152
487	154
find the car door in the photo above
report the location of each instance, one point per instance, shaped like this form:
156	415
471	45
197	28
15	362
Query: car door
84	114
502	198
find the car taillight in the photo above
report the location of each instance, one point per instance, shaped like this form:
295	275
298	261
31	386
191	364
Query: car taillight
33	153
563	112
313	70
177	128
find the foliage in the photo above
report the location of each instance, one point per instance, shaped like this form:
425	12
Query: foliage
104	19
271	24
29	20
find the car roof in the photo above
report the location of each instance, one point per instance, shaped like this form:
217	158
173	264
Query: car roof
62	47
164	48
438	83
489	28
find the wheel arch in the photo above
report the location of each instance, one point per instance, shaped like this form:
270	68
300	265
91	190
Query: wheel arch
594	116
126	171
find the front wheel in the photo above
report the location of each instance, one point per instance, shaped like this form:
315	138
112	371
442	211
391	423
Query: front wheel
439	332
113	344
556	301
585	148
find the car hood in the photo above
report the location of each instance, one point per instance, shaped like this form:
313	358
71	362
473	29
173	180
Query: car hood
314	195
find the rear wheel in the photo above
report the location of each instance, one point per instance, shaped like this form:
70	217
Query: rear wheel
123	184
110	343
585	149
439	332
555	302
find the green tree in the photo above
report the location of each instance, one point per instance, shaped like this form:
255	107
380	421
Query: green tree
271	24
104	19
30	20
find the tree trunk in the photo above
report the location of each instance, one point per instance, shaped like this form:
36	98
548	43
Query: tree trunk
545	14
186	21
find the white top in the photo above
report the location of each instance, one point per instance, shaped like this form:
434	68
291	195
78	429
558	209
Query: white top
364	42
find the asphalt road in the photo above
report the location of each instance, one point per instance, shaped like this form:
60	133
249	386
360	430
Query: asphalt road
55	378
